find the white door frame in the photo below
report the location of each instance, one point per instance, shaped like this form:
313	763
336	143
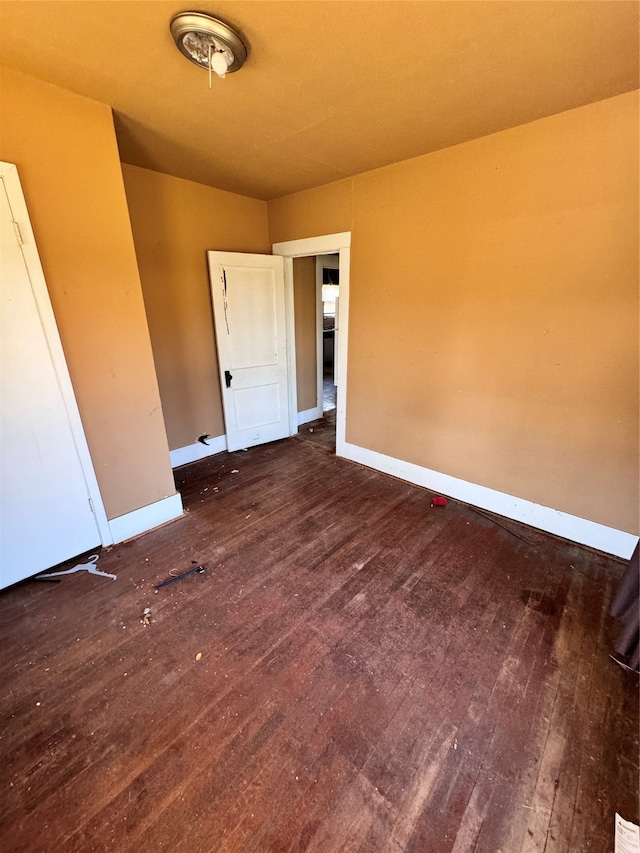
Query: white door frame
322	262
20	213
327	244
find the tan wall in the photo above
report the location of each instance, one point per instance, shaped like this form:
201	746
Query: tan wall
304	302
174	223
494	309
324	210
65	149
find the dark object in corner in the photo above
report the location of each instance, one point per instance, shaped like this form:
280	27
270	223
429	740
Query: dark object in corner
626	609
203	439
199	569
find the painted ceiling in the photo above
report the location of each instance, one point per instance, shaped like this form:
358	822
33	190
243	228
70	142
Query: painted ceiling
330	89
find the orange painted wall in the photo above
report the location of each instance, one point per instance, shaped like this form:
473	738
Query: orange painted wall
304	302
175	222
65	149
494	308
323	210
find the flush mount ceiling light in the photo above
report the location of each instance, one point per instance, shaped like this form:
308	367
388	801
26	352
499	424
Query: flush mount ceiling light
208	42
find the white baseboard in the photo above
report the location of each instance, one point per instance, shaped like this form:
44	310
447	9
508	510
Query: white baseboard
193	452
309	415
579	530
146	518
218	444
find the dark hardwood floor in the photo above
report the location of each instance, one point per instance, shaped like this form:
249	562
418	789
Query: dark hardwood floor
354	671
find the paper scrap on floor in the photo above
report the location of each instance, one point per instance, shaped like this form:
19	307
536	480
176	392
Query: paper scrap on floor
627	836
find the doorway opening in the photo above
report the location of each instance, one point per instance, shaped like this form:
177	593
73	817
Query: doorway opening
328	290
339	247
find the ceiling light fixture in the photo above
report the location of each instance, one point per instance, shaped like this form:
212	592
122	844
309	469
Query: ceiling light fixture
208	42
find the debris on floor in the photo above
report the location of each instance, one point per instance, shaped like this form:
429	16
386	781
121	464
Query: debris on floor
199	656
199	569
504	526
146	616
89	566
438	501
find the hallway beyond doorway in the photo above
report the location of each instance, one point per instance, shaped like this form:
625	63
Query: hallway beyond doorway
328	392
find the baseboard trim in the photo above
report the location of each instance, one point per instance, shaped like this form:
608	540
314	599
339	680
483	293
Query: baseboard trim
609	540
218	444
146	518
309	415
194	452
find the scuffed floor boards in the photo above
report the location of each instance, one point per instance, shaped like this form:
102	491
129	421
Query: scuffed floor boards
354	671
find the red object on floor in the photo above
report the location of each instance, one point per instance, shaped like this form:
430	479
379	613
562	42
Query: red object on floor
438	501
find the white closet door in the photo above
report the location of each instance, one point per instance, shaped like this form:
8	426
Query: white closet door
46	515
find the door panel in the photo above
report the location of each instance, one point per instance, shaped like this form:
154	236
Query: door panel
252	315
46	516
258	406
250	322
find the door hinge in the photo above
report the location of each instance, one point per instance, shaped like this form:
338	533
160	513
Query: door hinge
16	228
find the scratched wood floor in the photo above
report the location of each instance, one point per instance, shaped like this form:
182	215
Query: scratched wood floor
376	676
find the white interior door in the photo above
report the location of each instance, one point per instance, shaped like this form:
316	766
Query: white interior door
46	513
250	316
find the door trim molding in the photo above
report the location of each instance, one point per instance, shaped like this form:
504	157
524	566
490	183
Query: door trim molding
20	213
290	329
328	244
319	340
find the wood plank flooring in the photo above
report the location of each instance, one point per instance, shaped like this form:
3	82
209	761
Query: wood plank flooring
376	675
